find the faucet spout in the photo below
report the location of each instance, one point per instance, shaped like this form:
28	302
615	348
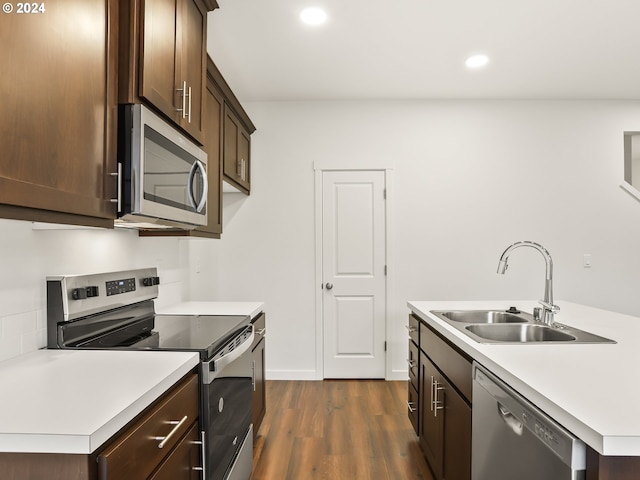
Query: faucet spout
548	308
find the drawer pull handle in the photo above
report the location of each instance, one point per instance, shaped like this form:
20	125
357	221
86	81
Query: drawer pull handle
164	440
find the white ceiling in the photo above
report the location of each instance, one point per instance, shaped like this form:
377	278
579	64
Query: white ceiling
415	49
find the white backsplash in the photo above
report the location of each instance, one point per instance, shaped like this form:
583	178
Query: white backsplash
30	253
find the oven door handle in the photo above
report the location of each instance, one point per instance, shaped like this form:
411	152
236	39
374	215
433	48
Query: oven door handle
212	368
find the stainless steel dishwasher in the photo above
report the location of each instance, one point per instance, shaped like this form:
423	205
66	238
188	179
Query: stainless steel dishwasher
512	439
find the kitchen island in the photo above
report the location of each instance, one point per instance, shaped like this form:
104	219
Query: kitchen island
590	389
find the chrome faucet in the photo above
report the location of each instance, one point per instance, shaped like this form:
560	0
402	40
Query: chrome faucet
548	308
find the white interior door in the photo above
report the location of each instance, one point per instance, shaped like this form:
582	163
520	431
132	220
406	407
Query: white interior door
353	272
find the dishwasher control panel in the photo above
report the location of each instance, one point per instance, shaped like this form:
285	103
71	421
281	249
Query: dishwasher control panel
541	429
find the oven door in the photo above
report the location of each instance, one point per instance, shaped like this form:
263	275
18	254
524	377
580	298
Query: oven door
227	408
165	174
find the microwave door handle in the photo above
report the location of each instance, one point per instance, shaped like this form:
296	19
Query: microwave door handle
205	186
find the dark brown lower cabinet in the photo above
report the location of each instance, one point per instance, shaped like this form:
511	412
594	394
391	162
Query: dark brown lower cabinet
443	402
444	407
133	453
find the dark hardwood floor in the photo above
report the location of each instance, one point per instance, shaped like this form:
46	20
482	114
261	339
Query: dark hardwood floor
337	429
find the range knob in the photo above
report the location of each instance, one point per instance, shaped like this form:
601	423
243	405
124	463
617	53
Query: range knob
85	292
151	281
79	293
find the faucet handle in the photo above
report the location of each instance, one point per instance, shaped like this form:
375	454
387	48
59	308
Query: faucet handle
548	306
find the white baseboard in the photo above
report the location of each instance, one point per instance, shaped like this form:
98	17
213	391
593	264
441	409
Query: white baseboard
398	375
291	375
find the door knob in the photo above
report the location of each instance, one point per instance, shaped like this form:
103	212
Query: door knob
329	286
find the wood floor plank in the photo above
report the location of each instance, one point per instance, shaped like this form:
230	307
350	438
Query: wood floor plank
337	429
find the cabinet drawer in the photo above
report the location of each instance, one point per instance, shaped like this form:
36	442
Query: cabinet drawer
259	327
414	329
184	462
455	366
136	453
414	367
413	406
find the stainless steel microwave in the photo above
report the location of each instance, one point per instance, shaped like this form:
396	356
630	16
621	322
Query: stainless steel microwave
163	174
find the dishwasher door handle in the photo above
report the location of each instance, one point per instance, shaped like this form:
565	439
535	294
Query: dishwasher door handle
510	419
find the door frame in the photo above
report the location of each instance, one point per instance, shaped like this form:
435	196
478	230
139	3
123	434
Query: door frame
319	169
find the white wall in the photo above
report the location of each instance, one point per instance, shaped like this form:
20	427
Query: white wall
470	178
28	256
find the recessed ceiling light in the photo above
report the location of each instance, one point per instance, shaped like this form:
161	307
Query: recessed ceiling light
313	16
476	61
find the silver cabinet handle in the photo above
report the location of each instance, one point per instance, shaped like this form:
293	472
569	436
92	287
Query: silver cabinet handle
431	394
411	409
329	286
253	375
184	99
118	176
436	401
242	169
178	424
189	114
203	452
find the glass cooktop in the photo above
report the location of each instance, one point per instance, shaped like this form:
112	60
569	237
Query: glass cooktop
205	334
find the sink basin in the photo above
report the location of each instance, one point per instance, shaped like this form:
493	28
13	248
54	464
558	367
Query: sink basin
506	327
485	316
520	333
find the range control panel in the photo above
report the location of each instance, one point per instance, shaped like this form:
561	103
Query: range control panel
116	287
74	296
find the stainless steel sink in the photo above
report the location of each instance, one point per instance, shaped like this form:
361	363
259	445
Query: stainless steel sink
486	316
520	333
506	327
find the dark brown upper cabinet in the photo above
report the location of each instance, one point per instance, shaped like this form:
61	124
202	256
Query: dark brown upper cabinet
237	152
237	128
59	113
163	59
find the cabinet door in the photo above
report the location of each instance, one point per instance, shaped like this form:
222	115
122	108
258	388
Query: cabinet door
236	152
58	130
230	152
257	356
192	33
456	461
214	105
431	415
259	399
244	159
159	68
183	463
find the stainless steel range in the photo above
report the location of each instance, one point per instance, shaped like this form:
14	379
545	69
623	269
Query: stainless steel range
116	311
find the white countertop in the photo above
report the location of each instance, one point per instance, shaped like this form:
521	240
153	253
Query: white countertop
72	401
212	308
593	390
